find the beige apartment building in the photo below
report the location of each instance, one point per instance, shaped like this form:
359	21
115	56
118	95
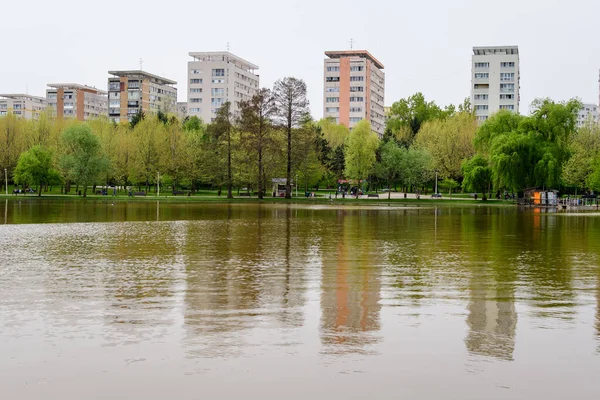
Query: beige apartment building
71	100
494	80
354	89
130	92
23	105
215	78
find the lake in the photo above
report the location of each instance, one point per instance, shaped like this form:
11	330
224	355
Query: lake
201	301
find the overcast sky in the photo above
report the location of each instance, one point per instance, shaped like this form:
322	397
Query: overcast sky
425	46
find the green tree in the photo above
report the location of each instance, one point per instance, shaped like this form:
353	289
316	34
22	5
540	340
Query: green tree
257	131
82	157
360	151
35	167
291	109
478	175
417	168
221	131
584	147
407	116
391	163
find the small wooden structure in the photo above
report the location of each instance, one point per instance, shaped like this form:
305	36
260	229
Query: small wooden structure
540	198
279	187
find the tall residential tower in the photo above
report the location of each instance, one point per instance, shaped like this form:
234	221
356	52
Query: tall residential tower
494	80
215	78
22	105
70	100
354	89
130	92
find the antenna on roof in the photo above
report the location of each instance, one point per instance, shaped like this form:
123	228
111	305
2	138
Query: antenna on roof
228	47
352	43
141	64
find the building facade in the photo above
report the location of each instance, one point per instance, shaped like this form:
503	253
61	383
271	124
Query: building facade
495	80
22	105
215	78
70	100
354	87
130	92
588	113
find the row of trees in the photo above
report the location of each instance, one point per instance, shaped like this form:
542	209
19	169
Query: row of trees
273	136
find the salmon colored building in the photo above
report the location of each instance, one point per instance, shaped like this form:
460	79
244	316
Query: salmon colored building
354	87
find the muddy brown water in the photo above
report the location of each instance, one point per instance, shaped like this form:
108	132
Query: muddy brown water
205	301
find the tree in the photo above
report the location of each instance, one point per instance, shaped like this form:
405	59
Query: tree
82	157
137	118
360	151
291	108
390	166
584	148
256	130
449	141
145	152
221	131
12	129
407	116
478	175
35	167
417	168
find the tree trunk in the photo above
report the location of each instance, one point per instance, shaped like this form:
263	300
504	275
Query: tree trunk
85	190
229	183
260	174
288	183
40	190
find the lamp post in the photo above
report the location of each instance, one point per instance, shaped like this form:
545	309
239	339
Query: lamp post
436	179
296	185
158	184
6	180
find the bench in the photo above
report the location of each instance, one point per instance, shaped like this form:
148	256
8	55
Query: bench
139	193
178	192
373	195
245	195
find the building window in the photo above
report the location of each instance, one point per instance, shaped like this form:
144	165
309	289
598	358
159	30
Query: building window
217	101
218	81
481	86
332	99
196	71
133	85
17	112
357	78
507	107
195	110
507	96
218	72
333	69
2	112
17	106
357	68
356	109
332	79
114	86
507	64
51	96
481	97
217	92
356	89
481	107
196	100
507	87
214	111
482	117
332	109
355	119
195	80
357	99
507	76
114	103
483	75
482	65
332	89
196	90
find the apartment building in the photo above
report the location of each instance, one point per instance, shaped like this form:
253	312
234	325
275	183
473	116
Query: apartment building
495	80
354	89
215	78
130	92
588	113
71	100
23	105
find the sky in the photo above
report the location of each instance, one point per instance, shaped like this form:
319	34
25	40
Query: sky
426	46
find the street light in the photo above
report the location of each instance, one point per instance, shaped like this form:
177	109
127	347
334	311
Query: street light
6	180
436	179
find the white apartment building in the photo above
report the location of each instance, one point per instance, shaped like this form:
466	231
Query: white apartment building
495	80
130	92
588	113
354	86
22	105
215	78
71	100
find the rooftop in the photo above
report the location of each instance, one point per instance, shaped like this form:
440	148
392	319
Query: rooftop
76	86
215	55
489	50
143	74
21	96
354	53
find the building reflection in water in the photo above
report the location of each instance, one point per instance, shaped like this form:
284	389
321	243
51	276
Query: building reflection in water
351	285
